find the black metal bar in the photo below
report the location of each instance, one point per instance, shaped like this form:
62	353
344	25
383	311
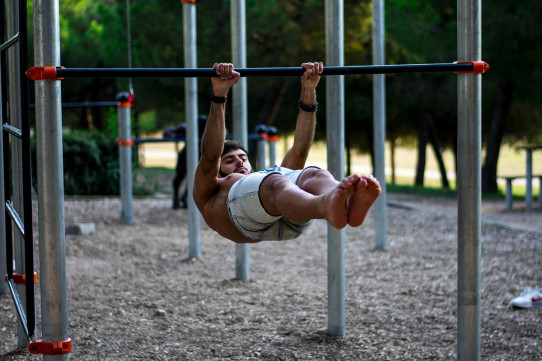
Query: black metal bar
15	218
26	170
182	139
84	104
292	71
9	42
12	130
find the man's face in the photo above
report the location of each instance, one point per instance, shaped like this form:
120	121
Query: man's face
235	161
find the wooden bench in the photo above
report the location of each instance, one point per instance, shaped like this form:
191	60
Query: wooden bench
508	193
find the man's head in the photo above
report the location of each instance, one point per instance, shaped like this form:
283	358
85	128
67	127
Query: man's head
234	159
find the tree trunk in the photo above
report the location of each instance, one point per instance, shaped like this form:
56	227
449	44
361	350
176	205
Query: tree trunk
505	89
422	145
272	102
436	148
348	154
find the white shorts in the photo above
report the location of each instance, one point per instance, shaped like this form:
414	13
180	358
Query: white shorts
249	216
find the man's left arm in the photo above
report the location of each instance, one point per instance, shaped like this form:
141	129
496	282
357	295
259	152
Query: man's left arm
297	155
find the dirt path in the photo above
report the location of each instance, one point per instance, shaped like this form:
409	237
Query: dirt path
133	295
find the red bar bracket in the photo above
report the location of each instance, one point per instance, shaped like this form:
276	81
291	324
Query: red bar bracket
190	1
477	67
127	104
20	279
125	143
50	348
43	73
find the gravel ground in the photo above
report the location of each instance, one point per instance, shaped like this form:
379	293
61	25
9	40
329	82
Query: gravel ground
132	294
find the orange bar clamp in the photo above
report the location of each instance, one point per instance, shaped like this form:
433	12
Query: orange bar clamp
50	348
20	279
125	143
43	73
477	66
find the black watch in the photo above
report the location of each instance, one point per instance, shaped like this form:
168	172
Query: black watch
308	108
216	99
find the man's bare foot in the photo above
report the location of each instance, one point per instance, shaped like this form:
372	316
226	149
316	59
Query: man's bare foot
365	194
336	201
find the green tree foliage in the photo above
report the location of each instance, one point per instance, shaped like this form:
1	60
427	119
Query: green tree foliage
286	33
91	163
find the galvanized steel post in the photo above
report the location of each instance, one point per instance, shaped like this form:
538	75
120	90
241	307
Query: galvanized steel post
335	163
261	153
379	123
125	156
50	178
240	132
469	182
272	138
192	132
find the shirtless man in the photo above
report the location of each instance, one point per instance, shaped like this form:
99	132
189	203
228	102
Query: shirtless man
278	203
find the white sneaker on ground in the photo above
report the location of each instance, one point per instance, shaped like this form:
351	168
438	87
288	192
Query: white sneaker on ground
529	298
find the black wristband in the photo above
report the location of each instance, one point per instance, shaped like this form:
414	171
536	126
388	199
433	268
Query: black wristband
308	108
216	99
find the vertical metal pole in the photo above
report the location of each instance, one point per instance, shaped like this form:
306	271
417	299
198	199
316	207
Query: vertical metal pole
528	179
192	133
508	194
3	260
540	192
240	132
272	138
125	158
469	183
261	153
379	123
335	156
50	178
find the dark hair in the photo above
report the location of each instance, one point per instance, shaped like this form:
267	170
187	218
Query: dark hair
230	145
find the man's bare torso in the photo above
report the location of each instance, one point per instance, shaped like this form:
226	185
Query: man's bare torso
215	210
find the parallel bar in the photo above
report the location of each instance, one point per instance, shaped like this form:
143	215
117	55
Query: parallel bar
9	42
12	130
245	72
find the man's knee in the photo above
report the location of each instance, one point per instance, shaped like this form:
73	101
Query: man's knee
274	182
312	174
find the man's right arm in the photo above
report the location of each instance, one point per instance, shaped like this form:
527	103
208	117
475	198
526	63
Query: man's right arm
296	156
212	143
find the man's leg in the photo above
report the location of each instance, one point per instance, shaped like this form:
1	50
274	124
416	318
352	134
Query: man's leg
325	198
318	181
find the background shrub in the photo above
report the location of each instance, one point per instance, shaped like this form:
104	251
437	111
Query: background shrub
91	163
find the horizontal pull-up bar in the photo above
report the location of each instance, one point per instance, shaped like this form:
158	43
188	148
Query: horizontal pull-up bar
41	73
